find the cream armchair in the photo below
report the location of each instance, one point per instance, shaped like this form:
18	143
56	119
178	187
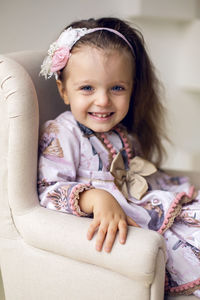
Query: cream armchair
45	254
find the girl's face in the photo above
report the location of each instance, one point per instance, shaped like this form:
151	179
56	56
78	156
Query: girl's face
98	85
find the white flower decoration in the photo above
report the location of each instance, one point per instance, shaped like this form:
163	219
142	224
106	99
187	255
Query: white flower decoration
61	48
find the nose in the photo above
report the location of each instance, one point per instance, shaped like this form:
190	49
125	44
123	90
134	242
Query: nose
102	99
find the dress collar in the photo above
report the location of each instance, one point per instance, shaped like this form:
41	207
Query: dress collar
87	131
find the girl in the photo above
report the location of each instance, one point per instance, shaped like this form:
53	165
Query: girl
95	159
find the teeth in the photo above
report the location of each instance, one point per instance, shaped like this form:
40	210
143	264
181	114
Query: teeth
101	115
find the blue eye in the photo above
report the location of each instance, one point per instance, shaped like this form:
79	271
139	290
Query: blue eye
118	88
86	88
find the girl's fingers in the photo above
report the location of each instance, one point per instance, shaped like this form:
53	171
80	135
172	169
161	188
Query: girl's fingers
123	228
131	222
101	235
92	229
106	232
111	235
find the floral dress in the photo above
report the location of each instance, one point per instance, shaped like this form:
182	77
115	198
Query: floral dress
73	158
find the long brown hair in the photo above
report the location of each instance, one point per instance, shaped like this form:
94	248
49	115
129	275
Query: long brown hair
145	118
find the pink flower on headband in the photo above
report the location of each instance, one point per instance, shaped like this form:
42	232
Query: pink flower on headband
59	59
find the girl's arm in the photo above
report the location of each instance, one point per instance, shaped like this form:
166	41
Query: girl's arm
109	217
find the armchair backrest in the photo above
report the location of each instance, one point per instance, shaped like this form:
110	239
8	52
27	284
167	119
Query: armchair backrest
50	104
21	90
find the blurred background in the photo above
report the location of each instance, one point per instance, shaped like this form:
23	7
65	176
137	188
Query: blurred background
172	33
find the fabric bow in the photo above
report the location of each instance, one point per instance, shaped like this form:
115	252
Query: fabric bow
131	182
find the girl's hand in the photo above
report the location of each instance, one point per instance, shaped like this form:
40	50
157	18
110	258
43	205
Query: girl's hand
109	218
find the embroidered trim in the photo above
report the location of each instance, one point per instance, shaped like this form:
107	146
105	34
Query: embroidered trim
127	146
110	155
74	197
108	145
183	289
175	208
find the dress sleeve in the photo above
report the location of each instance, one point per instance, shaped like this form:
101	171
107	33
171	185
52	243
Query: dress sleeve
59	151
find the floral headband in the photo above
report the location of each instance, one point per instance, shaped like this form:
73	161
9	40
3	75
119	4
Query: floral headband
59	51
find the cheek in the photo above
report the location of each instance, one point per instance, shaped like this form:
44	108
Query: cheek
125	104
125	107
78	107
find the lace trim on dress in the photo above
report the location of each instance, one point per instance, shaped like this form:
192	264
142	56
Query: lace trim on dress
183	289
175	208
121	131
74	197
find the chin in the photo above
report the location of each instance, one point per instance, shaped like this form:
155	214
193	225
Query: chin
101	130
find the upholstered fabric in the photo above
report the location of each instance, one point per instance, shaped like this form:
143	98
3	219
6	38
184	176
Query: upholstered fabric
40	258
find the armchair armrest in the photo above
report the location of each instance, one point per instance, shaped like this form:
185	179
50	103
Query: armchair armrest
65	235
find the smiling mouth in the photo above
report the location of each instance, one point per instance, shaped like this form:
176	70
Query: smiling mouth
101	115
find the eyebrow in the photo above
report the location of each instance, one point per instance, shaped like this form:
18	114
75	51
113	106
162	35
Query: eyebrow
87	82
77	83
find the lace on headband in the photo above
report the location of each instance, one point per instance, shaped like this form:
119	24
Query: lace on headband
59	51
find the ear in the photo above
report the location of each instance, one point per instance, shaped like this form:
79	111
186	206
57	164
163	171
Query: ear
62	91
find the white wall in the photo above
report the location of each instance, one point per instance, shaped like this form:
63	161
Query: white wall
28	24
172	32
